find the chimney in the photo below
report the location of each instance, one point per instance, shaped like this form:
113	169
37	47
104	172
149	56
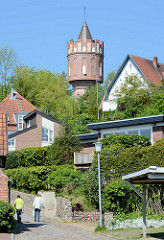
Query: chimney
155	62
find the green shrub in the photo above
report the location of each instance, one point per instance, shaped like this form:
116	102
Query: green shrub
117	160
119	197
125	140
65	176
30	179
6	217
27	157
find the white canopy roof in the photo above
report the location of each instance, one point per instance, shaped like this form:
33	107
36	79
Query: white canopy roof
152	174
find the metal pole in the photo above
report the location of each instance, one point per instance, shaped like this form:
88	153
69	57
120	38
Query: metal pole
144	211
100	209
97	101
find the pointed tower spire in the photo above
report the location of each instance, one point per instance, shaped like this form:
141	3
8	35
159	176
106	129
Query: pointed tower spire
85	33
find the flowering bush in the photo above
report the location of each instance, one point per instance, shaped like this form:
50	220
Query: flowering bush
135	224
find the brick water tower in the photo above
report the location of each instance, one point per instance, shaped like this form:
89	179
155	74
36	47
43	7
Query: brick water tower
85	61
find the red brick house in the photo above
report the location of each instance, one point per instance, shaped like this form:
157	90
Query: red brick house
4	180
27	126
39	129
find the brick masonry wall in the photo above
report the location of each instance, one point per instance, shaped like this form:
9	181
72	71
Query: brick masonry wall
3	187
158	133
57	128
30	138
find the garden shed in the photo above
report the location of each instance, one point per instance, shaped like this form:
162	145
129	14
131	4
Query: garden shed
150	175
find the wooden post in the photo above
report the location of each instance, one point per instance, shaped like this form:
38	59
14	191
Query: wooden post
144	211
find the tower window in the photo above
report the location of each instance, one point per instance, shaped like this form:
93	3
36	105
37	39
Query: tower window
84	70
93	49
98	47
84	48
100	71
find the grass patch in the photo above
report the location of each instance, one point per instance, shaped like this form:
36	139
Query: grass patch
101	229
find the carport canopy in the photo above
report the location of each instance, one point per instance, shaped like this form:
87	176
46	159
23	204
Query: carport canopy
150	175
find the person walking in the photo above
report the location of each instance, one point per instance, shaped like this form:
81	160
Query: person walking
19	205
37	205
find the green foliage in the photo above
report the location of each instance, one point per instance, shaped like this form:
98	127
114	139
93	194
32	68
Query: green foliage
113	148
64	146
6	217
88	101
30	83
7	64
115	164
79	122
137	98
126	141
91	186
30	179
119	197
28	157
65	176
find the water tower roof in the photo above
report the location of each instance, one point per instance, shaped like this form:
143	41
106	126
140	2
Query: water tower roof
85	33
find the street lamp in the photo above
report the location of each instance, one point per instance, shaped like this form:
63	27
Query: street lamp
98	146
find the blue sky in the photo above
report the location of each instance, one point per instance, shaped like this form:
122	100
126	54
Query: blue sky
39	30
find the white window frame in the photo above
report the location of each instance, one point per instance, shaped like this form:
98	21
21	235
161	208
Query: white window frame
20	122
28	124
11	142
49	135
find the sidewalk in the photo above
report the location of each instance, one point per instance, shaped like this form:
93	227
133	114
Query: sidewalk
6	236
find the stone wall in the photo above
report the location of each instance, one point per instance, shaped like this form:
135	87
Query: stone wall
85	216
58	207
54	206
27	198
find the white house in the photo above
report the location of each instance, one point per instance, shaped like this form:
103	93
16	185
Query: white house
151	71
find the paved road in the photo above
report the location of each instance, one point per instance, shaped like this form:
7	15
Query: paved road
53	230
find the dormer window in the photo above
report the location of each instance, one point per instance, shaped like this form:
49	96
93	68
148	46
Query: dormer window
20	122
28	124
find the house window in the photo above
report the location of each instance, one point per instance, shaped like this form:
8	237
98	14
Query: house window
20	122
28	124
47	135
146	132
11	142
51	136
133	132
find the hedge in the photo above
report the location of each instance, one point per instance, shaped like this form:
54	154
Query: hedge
30	179
7	221
131	159
27	157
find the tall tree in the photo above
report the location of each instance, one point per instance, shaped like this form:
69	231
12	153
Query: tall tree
48	91
8	61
